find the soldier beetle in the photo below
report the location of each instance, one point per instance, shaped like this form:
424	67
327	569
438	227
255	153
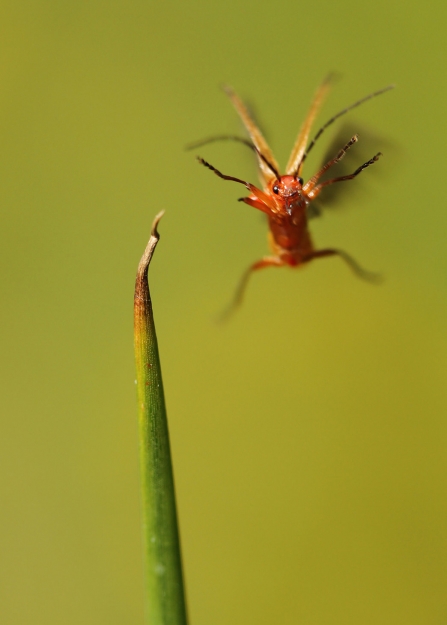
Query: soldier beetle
286	199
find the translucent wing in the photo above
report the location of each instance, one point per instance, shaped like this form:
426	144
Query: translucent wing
259	142
293	166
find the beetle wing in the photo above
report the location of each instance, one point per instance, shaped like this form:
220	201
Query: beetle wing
256	136
293	166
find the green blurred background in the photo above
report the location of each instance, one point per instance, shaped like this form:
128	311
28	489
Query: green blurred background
309	433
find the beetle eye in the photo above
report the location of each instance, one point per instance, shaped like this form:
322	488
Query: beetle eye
276	189
300	180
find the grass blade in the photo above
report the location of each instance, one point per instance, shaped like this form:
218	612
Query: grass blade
165	596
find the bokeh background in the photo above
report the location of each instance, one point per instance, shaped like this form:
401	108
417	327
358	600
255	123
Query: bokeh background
309	433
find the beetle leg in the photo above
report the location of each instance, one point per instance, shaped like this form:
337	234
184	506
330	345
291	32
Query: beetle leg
267	261
316	190
310	184
202	161
260	195
253	201
353	264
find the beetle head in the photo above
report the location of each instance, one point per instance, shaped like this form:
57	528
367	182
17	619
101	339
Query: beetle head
288	189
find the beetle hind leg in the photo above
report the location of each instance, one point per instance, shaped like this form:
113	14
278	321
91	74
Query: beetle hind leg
267	261
369	276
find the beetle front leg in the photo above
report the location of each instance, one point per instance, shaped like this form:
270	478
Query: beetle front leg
262	198
253	201
310	184
311	195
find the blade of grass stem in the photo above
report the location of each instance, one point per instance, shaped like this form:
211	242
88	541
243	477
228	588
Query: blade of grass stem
165	597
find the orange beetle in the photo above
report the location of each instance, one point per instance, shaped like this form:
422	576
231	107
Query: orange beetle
286	199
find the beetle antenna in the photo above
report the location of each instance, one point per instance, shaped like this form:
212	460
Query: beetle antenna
247	142
198	144
269	165
335	117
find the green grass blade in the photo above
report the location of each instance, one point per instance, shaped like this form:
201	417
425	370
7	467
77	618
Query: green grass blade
165	596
